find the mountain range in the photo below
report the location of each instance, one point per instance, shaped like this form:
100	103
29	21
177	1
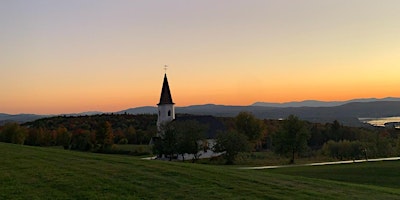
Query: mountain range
314	103
346	112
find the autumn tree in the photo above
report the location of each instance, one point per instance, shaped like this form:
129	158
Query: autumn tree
291	138
231	143
13	133
35	136
104	136
82	140
130	134
49	138
63	137
250	126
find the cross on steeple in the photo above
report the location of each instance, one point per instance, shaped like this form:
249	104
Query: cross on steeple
165	68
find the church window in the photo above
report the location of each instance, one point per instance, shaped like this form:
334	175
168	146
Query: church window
169	113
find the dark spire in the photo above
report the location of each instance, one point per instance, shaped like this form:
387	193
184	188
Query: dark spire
166	97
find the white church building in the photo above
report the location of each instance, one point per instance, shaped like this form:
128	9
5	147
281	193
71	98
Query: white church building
166	114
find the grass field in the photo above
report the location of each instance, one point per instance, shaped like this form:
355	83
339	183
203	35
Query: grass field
131	149
47	173
384	173
265	158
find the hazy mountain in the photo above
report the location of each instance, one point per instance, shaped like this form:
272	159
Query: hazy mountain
140	110
315	103
346	112
84	113
20	118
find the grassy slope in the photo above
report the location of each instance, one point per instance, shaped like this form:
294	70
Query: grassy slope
384	174
45	173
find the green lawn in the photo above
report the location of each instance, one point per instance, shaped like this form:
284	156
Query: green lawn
47	173
138	150
384	173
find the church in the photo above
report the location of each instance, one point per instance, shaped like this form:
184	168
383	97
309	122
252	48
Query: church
166	114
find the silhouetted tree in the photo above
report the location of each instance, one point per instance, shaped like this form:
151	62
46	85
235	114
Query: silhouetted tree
35	136
13	133
189	136
82	140
130	134
231	142
179	137
169	141
250	126
104	136
291	138
63	137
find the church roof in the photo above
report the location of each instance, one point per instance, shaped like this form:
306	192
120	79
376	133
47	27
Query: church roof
166	97
212	124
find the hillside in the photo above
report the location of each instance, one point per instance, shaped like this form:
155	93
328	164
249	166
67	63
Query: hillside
47	173
346	114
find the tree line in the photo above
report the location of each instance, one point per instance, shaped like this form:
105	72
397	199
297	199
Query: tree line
290	137
85	133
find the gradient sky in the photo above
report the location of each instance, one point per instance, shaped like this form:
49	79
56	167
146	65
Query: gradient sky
102	55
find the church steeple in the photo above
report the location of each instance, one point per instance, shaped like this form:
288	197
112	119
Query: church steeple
166	108
165	97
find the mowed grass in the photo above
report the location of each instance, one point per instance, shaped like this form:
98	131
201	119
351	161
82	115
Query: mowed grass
47	173
382	173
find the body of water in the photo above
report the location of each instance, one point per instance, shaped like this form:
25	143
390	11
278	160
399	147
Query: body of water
380	121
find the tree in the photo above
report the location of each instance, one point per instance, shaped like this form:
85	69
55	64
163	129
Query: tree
82	140
13	133
189	134
343	149
104	136
168	143
49	138
130	134
336	131
63	137
291	138
180	137
231	142
250	126
35	136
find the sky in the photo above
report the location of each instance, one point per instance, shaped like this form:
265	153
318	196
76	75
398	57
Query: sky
72	56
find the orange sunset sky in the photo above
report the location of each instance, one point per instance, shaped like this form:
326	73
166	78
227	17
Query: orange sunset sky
99	55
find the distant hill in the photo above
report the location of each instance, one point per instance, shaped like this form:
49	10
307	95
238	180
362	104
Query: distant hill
20	118
346	112
314	103
139	110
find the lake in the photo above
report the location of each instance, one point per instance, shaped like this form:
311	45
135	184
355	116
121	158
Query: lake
380	121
